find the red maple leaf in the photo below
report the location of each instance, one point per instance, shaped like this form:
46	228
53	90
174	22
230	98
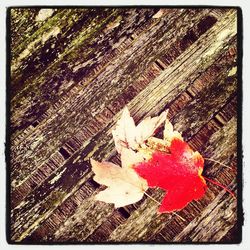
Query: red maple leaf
147	161
177	172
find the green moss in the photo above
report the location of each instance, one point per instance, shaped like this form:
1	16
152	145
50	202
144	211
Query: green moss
54	199
51	22
71	53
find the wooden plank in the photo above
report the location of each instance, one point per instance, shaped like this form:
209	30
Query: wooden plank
42	148
191	144
148	222
194	75
86	68
224	220
75	112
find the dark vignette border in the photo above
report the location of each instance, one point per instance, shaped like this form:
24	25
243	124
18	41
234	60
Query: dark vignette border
240	213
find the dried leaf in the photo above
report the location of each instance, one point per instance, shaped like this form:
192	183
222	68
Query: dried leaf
125	132
168	163
127	135
169	134
148	126
124	185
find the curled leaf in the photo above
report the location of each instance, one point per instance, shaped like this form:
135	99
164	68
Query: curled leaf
127	135
148	126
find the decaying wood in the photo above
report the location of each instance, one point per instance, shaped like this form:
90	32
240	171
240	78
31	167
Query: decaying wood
72	72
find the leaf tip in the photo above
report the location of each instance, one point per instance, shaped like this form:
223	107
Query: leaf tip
125	111
92	162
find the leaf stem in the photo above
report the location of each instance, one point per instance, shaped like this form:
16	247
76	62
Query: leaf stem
179	216
220	185
153	199
210	159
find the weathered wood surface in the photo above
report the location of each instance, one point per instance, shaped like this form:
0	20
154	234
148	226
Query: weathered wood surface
72	72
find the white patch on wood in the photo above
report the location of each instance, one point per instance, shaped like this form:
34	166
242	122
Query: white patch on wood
36	142
53	32
57	177
44	14
232	71
221	36
158	14
21	205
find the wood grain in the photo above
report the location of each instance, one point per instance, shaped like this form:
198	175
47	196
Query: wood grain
71	75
